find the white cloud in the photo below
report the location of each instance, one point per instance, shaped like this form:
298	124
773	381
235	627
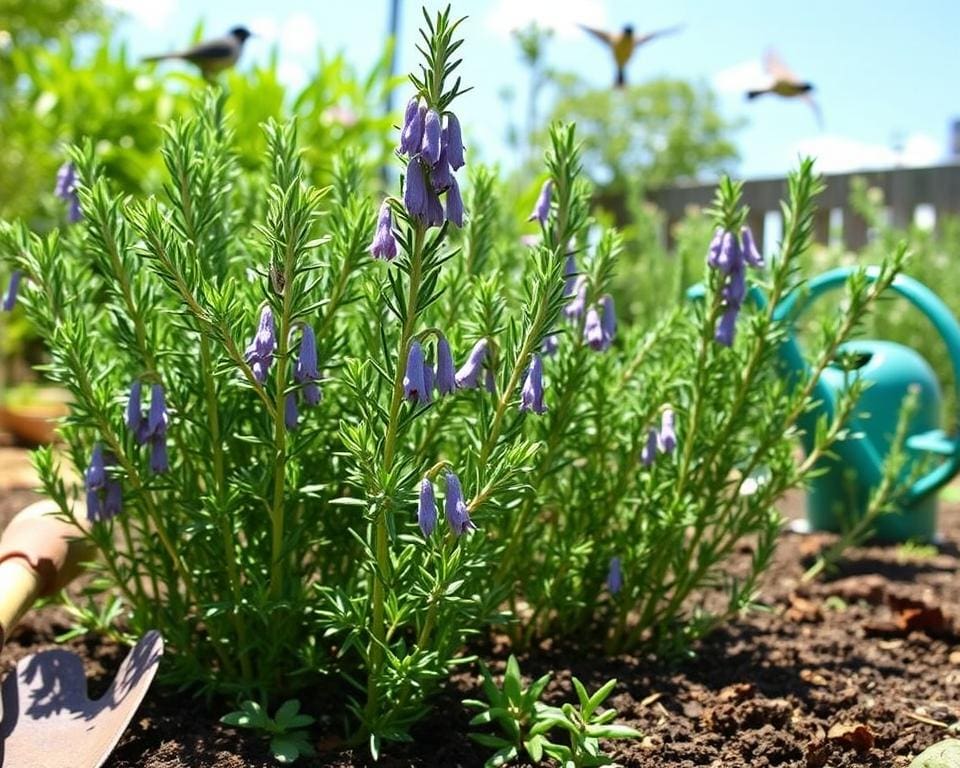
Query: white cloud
740	78
152	14
838	154
562	16
299	34
292	75
296	37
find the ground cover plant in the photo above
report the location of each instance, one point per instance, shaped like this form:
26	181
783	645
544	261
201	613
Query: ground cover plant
325	435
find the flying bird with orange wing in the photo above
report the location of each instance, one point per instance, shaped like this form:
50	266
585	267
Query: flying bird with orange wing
783	82
622	45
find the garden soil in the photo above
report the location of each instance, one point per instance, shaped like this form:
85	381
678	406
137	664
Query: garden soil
859	670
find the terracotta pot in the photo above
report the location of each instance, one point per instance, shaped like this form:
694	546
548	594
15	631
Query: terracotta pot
34	420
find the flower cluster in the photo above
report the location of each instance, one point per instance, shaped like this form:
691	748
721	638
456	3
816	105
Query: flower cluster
731	255
663	440
600	322
421	378
455	508
434	153
10	297
66	190
151	428
104	492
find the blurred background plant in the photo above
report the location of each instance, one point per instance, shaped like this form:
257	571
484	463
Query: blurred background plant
64	79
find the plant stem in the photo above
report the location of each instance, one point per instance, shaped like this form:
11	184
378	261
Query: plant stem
382	551
277	558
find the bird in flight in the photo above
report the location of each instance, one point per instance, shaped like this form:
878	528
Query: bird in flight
622	45
782	82
211	56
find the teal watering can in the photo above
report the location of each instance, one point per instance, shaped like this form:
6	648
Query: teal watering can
841	493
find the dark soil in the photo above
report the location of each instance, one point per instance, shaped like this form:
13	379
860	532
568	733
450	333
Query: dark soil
849	672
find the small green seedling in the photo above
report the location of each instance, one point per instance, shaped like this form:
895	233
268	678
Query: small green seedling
526	722
287	739
585	727
514	709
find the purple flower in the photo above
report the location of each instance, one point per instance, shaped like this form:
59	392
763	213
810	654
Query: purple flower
726	329
440	176
541	210
649	452
608	321
458	516
570	275
427	508
454	141
306	368
96	474
66	190
414	387
10	297
614	576
490	382
311	393
104	493
415	190
750	253
730	257
578	303
593	331
468	377
551	344
713	253
158	454
259	353
291	415
112	502
434	214
430	148
446	375
668	434
412	131
735	288
531	395
134	407
157	416
305	372
454	204
384	245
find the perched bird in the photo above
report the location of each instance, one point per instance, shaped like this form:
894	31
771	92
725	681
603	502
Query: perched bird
623	44
786	84
212	56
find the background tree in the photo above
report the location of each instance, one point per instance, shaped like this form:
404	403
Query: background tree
647	135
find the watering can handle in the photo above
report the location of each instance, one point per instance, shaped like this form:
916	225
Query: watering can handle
933	308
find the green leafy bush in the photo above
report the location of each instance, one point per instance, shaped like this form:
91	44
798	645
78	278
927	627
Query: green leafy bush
275	536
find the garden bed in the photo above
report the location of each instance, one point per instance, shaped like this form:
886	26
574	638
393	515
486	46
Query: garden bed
836	674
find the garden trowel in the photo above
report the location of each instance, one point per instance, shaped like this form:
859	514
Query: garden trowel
47	719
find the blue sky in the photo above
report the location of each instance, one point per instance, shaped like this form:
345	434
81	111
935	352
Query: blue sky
886	72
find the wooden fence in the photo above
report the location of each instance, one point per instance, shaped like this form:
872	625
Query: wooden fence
925	194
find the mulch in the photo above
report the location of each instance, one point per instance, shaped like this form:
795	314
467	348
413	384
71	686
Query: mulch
859	670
